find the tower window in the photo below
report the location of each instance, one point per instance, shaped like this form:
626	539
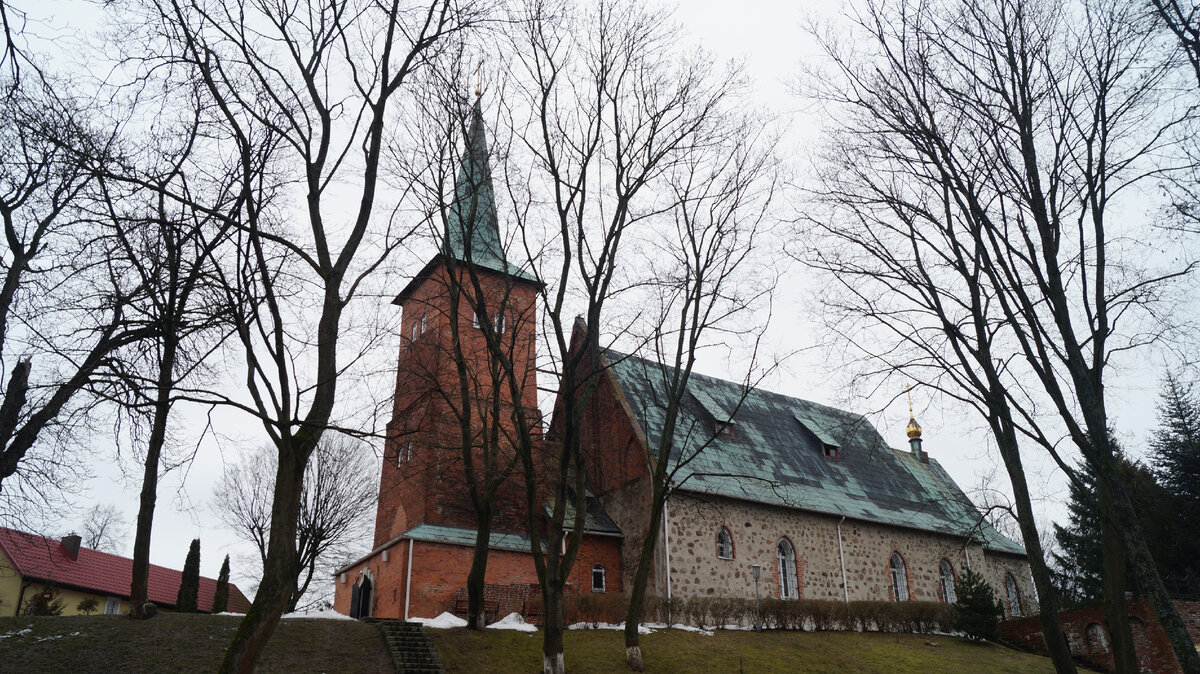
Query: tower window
424	323
598	584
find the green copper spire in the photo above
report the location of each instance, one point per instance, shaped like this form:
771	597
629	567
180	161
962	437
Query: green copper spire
474	232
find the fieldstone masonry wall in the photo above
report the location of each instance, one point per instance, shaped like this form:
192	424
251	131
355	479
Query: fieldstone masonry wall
867	547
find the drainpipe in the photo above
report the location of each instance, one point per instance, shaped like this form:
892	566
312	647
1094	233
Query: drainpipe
408	580
842	561
667	544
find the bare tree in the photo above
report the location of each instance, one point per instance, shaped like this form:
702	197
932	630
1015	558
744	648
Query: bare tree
103	528
297	98
983	145
63	301
335	507
602	110
705	287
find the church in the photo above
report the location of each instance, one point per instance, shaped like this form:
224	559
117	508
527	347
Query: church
788	498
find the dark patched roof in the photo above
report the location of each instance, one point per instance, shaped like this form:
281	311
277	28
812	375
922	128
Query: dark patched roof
595	520
776	455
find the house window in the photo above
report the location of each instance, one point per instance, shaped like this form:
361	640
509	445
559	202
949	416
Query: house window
899	577
1014	597
112	606
598	578
724	544
946	575
788	587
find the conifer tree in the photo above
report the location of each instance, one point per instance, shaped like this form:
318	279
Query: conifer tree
189	586
1176	444
221	596
1175	447
976	612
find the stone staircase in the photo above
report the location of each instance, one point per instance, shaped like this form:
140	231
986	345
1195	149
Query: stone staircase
410	648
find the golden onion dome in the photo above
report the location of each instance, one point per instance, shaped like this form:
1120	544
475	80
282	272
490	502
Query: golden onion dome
913	429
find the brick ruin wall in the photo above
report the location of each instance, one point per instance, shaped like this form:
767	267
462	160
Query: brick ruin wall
1087	633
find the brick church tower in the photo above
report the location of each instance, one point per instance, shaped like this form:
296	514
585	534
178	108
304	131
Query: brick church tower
467	293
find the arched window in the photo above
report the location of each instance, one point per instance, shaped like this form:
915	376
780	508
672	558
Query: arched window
1014	597
899	577
946	576
788	587
1096	639
724	544
598	584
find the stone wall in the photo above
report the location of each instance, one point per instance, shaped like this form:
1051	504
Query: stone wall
696	570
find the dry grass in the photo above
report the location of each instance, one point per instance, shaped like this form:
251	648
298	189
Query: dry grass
182	643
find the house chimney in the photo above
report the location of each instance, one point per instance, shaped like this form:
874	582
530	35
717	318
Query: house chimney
70	545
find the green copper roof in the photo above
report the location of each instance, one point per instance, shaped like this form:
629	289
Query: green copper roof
460	536
473	230
775	456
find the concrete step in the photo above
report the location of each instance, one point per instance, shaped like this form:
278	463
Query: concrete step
410	648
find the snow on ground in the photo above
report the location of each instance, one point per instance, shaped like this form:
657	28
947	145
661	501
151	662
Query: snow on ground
327	615
682	627
16	633
443	622
513	621
230	613
642	629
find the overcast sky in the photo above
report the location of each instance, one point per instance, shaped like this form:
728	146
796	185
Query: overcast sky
770	38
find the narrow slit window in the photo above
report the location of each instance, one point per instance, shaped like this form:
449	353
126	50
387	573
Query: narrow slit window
598	580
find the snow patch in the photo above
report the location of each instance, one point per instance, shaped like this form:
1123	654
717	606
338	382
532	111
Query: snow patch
513	621
229	613
682	628
326	615
443	622
16	633
642	629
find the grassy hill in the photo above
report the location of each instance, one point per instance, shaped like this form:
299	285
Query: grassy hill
496	652
195	643
183	643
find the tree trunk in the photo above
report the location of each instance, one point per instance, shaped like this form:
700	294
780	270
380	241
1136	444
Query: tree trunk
140	586
552	641
279	571
1056	644
1115	611
637	595
476	618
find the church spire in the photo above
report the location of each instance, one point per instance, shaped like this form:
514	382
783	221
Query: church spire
913	430
474	233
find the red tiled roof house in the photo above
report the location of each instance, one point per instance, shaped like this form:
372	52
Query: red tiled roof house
31	564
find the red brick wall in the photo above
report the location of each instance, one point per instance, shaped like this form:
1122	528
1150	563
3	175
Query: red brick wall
1153	649
432	487
439	577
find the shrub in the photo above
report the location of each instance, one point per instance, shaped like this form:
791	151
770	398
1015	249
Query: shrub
87	606
46	602
976	613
